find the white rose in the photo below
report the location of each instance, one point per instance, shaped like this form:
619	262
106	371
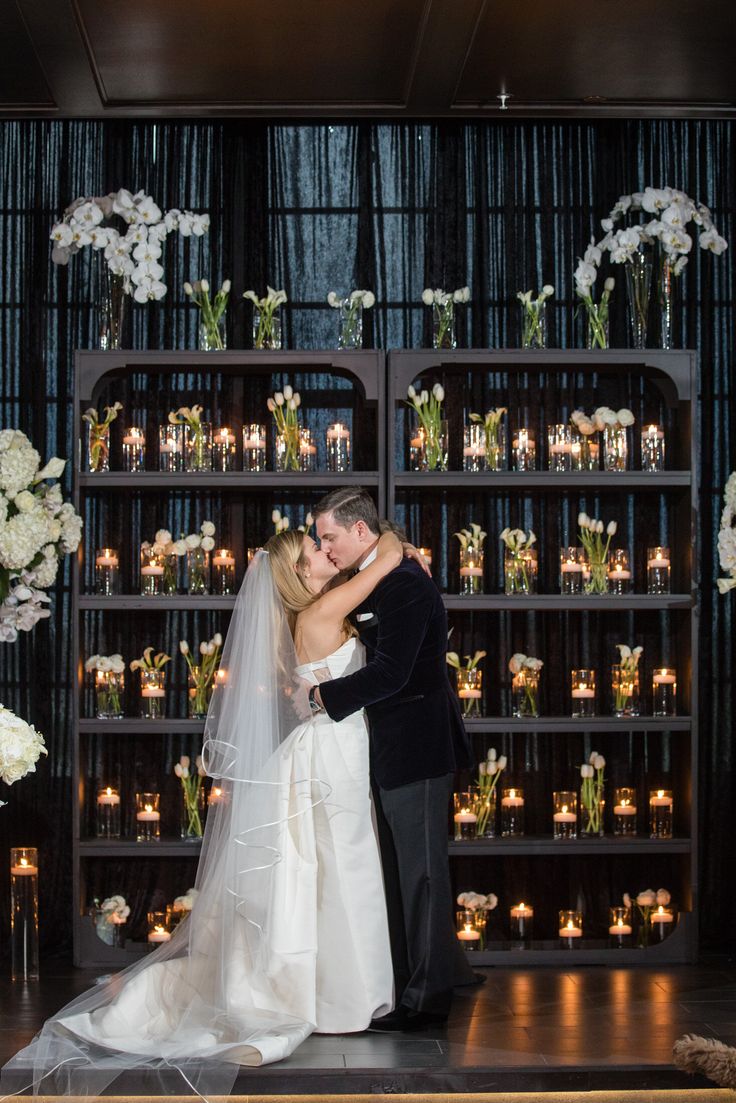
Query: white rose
427	296
207	528
193	540
207	543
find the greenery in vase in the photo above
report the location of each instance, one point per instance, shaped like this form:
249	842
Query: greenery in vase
428	408
149	662
191	784
491	423
646	902
99	429
586	274
191	416
471	662
351	307
532	333
203	673
629	665
591	793
284	406
596	551
518	664
489	773
212	311
518	543
443	304
267	308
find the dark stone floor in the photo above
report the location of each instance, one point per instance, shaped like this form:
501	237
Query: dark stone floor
523	1030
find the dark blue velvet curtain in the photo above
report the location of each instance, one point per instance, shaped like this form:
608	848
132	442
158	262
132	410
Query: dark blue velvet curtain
395	208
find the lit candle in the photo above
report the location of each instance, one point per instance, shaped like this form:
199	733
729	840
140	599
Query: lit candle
159	934
570	930
148	814
152	570
662	916
468	934
471	571
522	911
337	431
224	436
108	796
660	800
466	817
583	691
512	800
475	450
23	868
134	436
618	573
254	442
223	558
569	566
217	796
107	557
664	677
152	691
564	816
427	553
624	809
619	928
169	446
658	561
467	694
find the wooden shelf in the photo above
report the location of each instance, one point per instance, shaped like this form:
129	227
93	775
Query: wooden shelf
225	480
501	481
555	603
135	603
546	845
135	726
129	848
569	724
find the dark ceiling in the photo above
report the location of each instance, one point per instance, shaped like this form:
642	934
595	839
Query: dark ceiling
379	58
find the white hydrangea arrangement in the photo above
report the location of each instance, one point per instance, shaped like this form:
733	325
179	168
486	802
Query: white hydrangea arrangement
135	252
727	537
477	902
115	910
21	746
37	528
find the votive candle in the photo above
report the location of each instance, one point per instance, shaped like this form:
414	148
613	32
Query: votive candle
171	448
624	811
570	928
572	566
254	447
658	570
134	449
664	691
223	449
465	817
660	814
108	813
565	814
512	812
559	447
619	926
524	451
583	693
158	929
23	913
652	448
619	572
147	817
223	571
338	447
521	922
107	572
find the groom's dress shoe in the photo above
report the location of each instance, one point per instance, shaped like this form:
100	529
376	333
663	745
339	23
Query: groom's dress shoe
405	1020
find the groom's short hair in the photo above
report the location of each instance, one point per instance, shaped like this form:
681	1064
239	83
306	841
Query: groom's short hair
347	505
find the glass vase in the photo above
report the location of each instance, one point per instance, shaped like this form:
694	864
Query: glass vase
596	331
596	578
443	326
193	808
198	571
474	448
428	447
619	572
591	816
520	571
583	693
615	448
107	930
534	325
465	818
638	283
109	686
266	329
170	579
111	313
572	567
98	448
525	693
153	694
199	695
198	447
470	690
171	448
564	814
351	324
287	450
585	451
625	691
307	451
487	806
666	303
471	571
212	337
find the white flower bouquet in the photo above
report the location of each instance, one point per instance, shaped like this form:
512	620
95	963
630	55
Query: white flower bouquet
211	310
626	679
727	537
443	305
489	774
110	916
21	746
477	902
351	317
191	786
37	528
646	902
284	405
431	442
266	325
591	793
585	276
109	684
99	435
132	252
183	904
202	674
534	329
525	670
596	551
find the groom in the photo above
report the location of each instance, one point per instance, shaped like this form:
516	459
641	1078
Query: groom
417	741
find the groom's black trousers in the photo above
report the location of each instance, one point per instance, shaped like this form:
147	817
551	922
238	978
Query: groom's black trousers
412	830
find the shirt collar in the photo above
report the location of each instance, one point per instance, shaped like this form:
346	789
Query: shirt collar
370	558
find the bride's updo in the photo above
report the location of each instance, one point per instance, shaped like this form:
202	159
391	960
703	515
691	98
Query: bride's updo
285	558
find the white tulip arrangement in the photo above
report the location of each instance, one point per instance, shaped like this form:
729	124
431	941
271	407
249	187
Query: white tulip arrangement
265	335
591	793
202	673
533	331
191	785
37	528
211	309
351	306
519	664
443	304
727	537
629	664
489	774
133	254
284	405
596	551
21	746
428	408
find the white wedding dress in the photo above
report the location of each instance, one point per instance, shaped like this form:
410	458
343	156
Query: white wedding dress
323	959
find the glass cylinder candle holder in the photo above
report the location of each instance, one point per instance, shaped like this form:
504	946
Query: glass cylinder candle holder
664	691
23	913
307	451
147	817
474	448
223	450
170	583
583	693
615	448
199	694
525	693
428	448
198	571
107	572
153	694
254	447
512	812
98	448
584	451
559	447
565	814
625	690
471	928
470	690
619	926
624	811
158	929
523	451
466	815
198	447
652	448
109	686
152	574
658	570
663	922
520	571
134	449
266	329
570	928
171	448
660	814
619	572
572	567
338	447
521	922
471	570
107	819
223	571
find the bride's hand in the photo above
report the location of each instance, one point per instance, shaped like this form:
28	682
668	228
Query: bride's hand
410	552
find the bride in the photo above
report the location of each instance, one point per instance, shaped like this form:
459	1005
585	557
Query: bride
288	934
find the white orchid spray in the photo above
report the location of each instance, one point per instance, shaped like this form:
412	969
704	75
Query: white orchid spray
133	254
489	774
491	422
265	336
629	666
585	276
191	786
727	537
518	544
284	405
646	902
591	793
428	408
202	673
99	430
596	551
21	746
108	690
443	305
533	331
211	309
521	666
350	307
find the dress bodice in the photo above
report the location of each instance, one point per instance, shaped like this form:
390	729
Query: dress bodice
348	658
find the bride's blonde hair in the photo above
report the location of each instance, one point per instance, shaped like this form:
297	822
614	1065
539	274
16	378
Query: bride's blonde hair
286	560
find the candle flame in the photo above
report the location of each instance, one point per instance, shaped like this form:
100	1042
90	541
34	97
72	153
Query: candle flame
619	922
148	807
468	928
24	861
564	808
108	791
660	910
660	792
570	924
512	792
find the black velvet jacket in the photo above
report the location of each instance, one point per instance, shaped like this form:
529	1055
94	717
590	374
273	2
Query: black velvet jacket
416	727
